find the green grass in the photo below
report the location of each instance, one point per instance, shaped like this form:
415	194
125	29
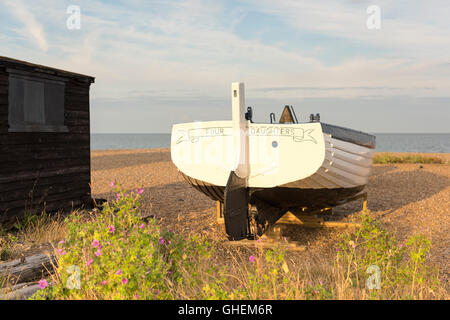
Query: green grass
387	158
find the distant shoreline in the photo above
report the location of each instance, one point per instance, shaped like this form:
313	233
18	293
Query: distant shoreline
390	133
415	143
445	156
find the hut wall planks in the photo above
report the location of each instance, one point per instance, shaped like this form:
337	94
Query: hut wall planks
45	169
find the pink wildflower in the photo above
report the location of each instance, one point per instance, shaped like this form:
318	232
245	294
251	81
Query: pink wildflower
124	281
119	271
89	262
141	226
43	284
98	253
95	243
111	229
251	259
136	296
104	282
161	240
112	184
140	190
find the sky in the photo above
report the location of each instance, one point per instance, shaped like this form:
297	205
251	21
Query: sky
158	63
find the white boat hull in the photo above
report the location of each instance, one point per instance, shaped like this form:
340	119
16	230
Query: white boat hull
314	160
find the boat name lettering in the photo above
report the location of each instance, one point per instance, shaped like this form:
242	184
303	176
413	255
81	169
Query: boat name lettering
193	135
298	134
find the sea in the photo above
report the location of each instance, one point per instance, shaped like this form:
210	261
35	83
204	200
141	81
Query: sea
386	142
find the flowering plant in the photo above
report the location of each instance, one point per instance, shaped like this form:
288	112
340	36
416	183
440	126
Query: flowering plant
117	254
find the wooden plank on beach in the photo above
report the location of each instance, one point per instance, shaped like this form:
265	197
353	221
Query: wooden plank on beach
291	218
27	269
268	243
20	292
312	221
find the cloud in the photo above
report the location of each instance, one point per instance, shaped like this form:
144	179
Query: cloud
191	46
183	55
415	29
33	28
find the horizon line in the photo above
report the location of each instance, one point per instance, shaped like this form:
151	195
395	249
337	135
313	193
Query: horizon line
368	132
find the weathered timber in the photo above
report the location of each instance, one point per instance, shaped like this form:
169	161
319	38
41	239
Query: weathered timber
268	243
78	114
77	122
23	166
27	269
31	184
20	292
46	193
44	173
313	221
42	138
79	129
47	153
10	216
45	197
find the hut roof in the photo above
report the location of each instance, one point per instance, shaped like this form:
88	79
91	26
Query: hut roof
27	66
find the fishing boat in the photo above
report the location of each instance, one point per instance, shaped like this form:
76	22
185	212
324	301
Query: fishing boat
259	171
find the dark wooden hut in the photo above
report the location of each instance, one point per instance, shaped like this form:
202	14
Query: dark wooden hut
44	139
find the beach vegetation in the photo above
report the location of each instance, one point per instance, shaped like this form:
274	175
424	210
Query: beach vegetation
389	158
117	254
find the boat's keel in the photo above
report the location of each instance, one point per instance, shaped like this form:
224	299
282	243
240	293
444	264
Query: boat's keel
235	208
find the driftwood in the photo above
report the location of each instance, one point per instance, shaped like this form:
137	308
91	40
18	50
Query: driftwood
27	269
20	292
